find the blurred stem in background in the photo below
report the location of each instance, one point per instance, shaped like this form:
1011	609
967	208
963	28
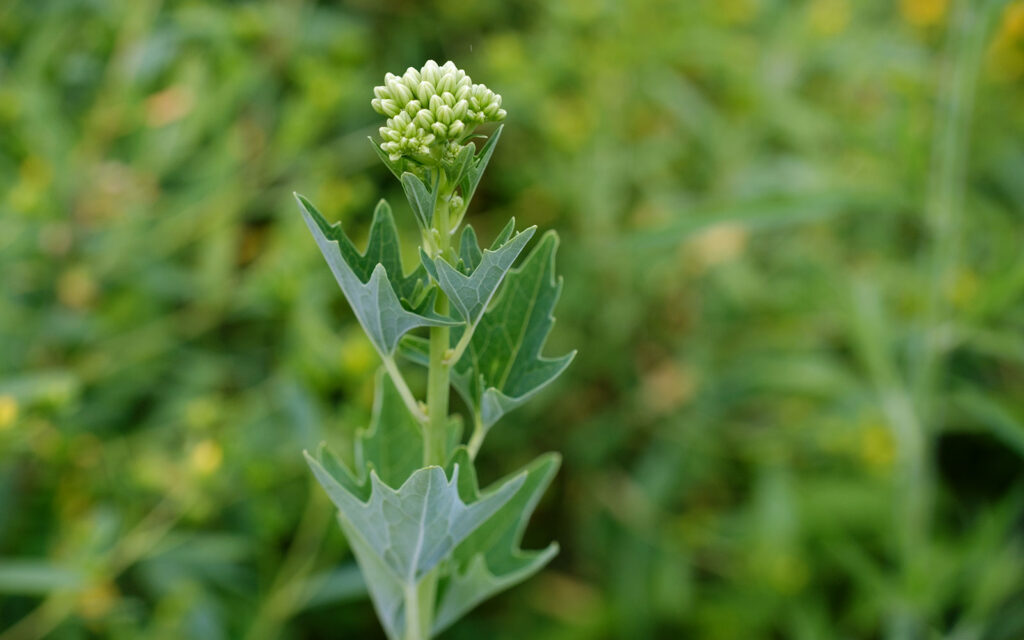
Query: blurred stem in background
912	413
291	587
133	546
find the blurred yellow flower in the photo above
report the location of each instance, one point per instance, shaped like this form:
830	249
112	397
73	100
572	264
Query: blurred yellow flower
168	106
924	13
877	448
76	288
723	242
829	17
358	357
1006	53
8	411
206	457
1013	21
963	289
667	387
737	11
97	600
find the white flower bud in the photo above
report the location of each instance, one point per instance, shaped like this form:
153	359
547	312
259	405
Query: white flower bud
399	90
446	83
400	121
413	107
444	114
425	91
424	118
430	72
431	110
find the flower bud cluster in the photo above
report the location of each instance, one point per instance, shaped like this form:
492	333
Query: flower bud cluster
432	110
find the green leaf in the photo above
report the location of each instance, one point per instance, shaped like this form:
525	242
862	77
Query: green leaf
503	366
386	592
421	198
462	164
393	443
471	178
394	167
399	536
470	293
469	248
370	280
490	559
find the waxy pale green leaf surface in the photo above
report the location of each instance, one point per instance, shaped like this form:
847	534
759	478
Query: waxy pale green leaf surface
503	366
471	178
421	199
393	444
373	300
386	591
490	560
414	527
399	536
470	293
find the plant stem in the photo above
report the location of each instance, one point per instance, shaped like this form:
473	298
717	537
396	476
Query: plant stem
439	373
403	388
477	439
419	599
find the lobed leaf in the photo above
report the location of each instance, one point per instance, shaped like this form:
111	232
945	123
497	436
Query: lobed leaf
470	179
365	278
470	293
503	367
400	535
490	559
421	198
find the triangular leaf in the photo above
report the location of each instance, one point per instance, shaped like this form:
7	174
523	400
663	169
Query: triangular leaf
421	199
471	178
505	348
470	294
386	592
393	443
394	167
373	300
469	249
503	365
413	528
490	559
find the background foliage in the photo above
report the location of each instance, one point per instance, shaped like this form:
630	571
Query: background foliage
792	252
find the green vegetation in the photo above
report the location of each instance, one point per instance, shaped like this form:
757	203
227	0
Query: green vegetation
430	544
795	278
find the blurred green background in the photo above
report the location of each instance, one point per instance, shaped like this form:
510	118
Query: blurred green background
792	241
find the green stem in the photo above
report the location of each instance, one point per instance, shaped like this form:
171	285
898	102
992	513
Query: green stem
438	378
439	373
477	439
403	388
419	599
